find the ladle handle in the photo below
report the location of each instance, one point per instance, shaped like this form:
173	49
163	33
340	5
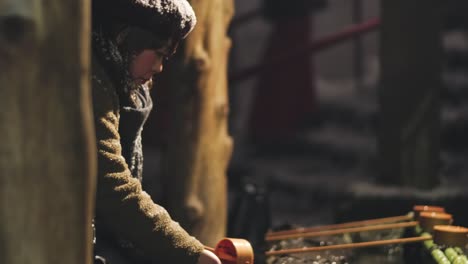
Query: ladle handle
209	248
350	246
385	220
345	230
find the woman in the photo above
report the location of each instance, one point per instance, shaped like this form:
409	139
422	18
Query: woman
131	39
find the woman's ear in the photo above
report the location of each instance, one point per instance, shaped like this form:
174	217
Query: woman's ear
172	47
122	35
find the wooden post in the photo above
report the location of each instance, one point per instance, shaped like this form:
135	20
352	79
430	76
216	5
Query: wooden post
199	147
47	150
358	46
409	95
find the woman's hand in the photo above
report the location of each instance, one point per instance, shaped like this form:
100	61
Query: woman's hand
208	257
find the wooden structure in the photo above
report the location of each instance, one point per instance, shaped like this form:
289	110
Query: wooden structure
47	150
409	96
199	147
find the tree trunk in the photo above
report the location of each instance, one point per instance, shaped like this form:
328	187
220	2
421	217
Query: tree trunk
47	156
199	147
409	97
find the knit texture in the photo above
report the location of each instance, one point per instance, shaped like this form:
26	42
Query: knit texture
169	18
123	209
132	119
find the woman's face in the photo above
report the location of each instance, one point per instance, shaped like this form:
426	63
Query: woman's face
147	63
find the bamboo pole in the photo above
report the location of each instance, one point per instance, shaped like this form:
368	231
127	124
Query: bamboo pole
376	221
345	230
350	246
417	210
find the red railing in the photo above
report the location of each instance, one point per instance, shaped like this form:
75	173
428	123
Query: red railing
305	50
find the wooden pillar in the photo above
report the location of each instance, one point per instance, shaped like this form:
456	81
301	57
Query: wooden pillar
47	150
199	147
409	96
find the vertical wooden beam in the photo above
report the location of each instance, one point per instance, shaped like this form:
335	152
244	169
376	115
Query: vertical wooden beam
47	150
199	147
358	46
409	96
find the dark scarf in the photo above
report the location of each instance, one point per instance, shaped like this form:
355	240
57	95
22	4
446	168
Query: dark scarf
134	99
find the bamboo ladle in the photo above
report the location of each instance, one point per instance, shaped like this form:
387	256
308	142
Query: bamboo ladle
233	251
417	209
444	234
426	220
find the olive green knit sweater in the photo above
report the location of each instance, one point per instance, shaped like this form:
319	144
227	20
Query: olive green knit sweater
122	207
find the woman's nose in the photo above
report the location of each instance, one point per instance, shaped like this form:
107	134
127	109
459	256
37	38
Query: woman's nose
157	68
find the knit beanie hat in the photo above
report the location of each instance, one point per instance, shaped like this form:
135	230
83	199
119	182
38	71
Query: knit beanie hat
164	18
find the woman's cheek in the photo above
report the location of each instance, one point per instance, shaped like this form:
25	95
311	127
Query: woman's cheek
143	63
136	69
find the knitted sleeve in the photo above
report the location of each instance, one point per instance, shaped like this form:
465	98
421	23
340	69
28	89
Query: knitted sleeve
122	206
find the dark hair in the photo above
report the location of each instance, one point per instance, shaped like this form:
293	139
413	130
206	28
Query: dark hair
134	40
